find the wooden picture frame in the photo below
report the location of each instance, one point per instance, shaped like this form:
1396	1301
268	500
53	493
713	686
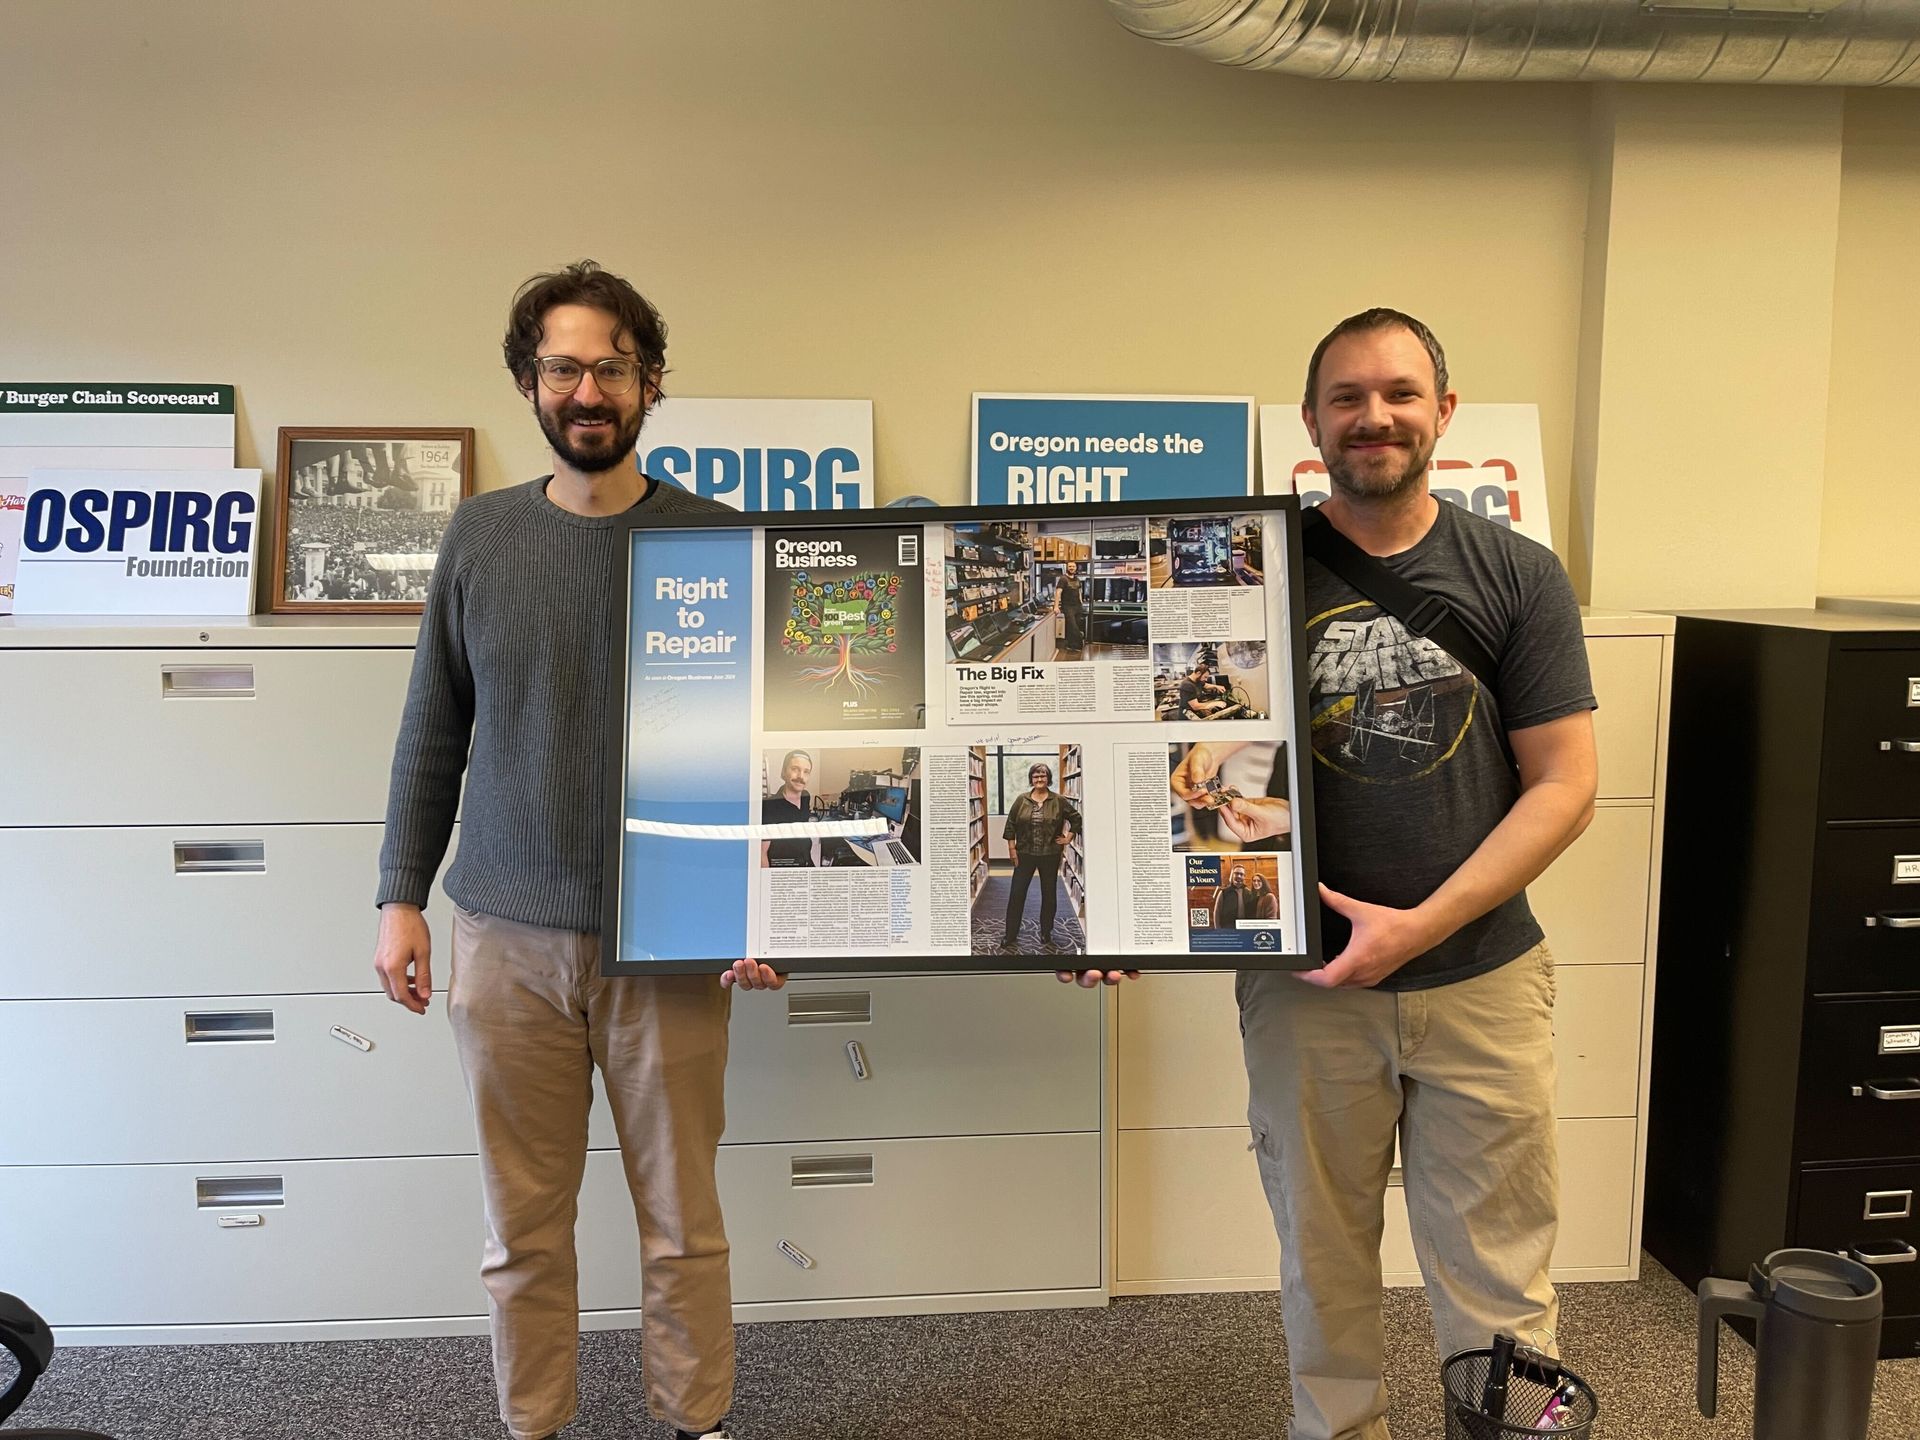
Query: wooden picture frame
355	511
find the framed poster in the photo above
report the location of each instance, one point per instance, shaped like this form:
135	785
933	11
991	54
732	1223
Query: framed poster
358	516
1033	737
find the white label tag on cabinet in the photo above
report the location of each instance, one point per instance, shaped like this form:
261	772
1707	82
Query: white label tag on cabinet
240	1222
1898	1039
1913	690
1906	869
349	1037
794	1253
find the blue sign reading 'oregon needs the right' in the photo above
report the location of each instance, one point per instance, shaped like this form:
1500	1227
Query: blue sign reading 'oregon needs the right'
1078	449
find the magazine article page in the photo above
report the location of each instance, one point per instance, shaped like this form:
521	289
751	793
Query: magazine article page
1037	737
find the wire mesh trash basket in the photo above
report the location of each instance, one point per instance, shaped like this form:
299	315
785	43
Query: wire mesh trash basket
1541	1397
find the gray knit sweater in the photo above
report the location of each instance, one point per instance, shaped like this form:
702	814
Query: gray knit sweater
510	685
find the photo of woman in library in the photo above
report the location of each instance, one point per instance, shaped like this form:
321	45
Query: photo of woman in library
1027	834
1034	592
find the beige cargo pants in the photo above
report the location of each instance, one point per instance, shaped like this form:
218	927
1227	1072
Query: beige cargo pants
1464	1074
531	1018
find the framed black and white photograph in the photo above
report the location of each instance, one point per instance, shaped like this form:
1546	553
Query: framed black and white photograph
359	515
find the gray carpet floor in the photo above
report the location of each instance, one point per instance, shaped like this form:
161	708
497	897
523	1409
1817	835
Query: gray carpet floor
1170	1368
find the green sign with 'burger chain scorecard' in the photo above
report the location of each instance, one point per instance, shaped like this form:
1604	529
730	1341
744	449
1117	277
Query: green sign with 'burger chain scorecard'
103	397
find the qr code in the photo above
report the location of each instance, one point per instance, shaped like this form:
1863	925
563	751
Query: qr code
1199	915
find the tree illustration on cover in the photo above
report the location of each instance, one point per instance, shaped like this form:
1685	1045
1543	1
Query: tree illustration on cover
839	621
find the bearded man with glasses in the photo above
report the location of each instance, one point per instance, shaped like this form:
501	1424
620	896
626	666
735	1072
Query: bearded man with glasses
510	685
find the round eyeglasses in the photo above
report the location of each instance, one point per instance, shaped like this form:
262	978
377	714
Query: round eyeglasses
562	374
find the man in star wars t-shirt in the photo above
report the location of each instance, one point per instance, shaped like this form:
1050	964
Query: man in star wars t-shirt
1437	798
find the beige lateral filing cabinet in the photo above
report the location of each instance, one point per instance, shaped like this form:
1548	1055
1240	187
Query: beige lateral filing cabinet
1188	1212
230	1134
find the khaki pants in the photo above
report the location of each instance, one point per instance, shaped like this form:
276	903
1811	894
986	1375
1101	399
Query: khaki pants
1464	1073
531	1017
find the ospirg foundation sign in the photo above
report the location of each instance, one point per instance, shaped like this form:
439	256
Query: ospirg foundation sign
139	542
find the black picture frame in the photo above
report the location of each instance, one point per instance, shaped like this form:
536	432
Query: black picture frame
1295	734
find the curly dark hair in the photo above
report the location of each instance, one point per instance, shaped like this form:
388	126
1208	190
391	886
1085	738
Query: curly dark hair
637	325
1378	318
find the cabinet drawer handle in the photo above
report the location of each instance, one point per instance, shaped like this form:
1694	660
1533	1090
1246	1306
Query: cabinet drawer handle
1888	1205
1912	747
1909	1090
832	1170
219	1027
188	682
852	1007
240	1192
1896	919
1905	1256
219	857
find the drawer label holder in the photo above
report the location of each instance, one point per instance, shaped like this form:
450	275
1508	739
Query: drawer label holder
1899	1039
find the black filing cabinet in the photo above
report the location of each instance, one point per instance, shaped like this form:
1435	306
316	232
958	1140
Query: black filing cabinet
1785	1102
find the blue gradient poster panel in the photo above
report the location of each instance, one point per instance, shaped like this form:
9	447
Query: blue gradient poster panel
689	754
1082	449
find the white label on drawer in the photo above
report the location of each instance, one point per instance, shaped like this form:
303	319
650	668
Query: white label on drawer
1913	690
1895	1039
1906	869
240	1222
794	1253
349	1037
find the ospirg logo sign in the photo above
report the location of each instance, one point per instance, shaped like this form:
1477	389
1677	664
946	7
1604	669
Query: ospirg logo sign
159	533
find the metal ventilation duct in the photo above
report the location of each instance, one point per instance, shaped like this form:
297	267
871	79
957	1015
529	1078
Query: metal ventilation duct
1773	42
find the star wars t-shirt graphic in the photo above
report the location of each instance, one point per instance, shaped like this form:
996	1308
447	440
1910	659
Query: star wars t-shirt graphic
1387	706
1409	772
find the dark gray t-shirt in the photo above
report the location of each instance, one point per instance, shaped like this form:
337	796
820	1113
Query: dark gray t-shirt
1409	773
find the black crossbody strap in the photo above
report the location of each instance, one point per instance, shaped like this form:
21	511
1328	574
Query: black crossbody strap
1423	613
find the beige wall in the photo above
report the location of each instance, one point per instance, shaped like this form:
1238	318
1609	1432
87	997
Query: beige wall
329	207
1870	520
1708	417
